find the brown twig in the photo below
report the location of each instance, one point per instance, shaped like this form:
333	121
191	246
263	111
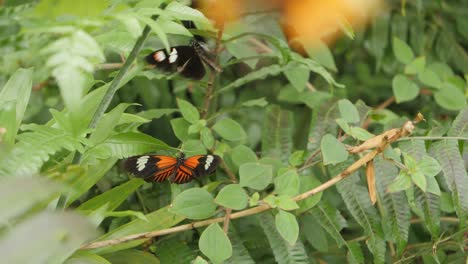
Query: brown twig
228	171
405	130
213	74
227	219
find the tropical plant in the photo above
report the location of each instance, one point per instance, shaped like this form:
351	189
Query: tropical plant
324	155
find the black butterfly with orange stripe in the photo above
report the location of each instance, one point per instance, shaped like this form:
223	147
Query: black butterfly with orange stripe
158	168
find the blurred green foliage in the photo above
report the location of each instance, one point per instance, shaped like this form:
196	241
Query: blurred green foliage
281	122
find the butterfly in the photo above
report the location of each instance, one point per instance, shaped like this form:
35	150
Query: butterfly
158	168
186	60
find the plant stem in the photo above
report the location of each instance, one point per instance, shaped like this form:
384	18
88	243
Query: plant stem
213	74
114	86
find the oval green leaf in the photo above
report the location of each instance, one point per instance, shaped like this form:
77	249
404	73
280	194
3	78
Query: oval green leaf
215	244
404	89
189	112
333	151
195	203
232	196
229	130
255	175
287	226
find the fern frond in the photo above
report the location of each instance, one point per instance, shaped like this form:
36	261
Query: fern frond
284	253
460	125
446	152
427	205
35	147
357	200
333	222
277	139
396	210
239	252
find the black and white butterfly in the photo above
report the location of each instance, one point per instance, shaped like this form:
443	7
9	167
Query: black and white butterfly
186	60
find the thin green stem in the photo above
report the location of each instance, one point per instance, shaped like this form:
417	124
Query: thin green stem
114	86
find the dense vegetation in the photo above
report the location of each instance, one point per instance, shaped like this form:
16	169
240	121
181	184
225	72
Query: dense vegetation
76	98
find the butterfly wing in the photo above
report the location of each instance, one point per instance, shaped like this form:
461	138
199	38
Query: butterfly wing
152	168
196	166
182	59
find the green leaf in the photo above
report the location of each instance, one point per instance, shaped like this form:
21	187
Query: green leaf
131	256
253	200
429	166
333	151
112	198
57	236
81	257
34	148
396	212
450	97
417	66
297	158
260	102
189	112
255	175
183	12
180	127
286	203
17	90
433	186
196	127
287	226
404	89
230	130
277	134
282	250
215	244
232	196
156	28
200	260
298	76
322	54
430	78
401	182
195	203
287	183
348	111
193	147
207	137
157	220
25	192
8	122
447	154
123	145
72	60
171	27
242	154
459	126
360	133
419	179
313	232
107	124
402	51
308	182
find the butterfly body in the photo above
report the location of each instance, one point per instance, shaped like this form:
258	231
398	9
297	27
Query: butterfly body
186	60
157	168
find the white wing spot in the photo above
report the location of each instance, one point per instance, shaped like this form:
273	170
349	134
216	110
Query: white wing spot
173	56
160	56
141	162
208	161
